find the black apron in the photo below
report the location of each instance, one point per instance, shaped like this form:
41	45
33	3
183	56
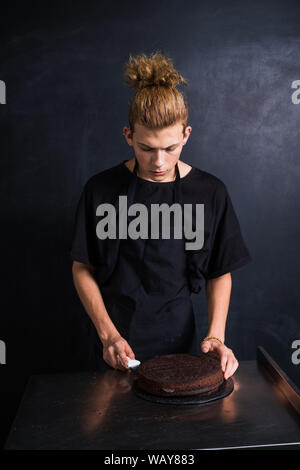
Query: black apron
147	296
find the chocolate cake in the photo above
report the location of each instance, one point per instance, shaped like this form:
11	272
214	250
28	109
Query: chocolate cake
180	375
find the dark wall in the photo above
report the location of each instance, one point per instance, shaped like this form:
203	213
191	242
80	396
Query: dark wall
66	104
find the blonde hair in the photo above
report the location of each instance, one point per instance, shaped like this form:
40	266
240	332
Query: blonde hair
157	103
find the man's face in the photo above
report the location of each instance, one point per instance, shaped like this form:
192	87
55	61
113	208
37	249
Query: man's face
157	150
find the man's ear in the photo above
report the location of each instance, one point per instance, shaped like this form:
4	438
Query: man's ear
127	132
187	133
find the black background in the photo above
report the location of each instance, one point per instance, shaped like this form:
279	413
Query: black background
62	63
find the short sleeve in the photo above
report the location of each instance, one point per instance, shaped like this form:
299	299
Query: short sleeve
83	239
228	249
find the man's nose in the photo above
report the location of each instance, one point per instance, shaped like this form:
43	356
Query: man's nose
158	158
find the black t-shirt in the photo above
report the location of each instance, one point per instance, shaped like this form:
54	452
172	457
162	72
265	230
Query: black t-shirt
224	248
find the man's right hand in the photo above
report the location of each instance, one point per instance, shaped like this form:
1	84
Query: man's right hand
115	349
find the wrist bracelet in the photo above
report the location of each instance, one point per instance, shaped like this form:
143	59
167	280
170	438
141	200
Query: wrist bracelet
212	337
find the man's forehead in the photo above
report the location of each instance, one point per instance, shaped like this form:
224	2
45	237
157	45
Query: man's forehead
167	135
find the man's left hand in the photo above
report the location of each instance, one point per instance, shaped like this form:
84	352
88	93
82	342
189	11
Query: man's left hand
229	363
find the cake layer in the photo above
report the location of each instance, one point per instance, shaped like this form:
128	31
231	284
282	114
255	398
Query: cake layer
180	374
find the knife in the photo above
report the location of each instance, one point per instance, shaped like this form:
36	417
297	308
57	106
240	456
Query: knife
133	364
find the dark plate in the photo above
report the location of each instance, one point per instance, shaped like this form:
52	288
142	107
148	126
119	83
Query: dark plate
223	391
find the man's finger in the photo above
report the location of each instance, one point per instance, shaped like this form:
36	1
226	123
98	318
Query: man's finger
111	358
123	358
228	368
129	352
121	365
232	365
224	359
206	346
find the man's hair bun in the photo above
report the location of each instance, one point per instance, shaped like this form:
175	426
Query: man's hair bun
156	70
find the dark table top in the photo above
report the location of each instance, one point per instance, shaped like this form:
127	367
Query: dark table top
91	410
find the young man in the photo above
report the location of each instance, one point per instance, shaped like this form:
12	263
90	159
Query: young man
137	290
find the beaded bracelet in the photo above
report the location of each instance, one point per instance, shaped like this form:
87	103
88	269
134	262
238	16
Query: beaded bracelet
212	337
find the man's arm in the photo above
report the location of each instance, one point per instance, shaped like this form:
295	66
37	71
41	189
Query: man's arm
89	293
218	291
